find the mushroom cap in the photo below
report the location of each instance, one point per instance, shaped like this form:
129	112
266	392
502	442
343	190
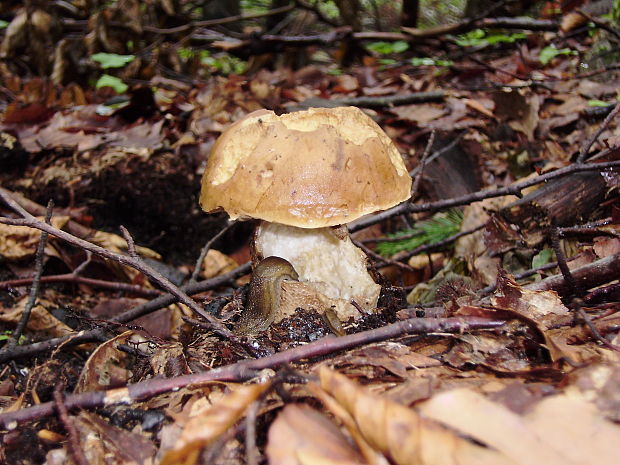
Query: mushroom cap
315	168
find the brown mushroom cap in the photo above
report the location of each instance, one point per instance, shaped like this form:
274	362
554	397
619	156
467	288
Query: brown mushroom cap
310	169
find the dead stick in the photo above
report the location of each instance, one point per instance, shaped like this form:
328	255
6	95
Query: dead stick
36	282
73	278
129	315
73	444
205	250
588	145
247	368
514	189
33	222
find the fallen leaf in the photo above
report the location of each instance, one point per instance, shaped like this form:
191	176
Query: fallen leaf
201	429
302	436
401	433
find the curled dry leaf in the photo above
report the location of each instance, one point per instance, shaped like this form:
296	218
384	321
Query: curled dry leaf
401	433
302	436
202	429
541	309
107	366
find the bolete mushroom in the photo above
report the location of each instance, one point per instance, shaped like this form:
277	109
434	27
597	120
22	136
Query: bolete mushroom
305	175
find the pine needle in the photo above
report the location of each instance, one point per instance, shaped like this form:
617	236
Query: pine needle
431	231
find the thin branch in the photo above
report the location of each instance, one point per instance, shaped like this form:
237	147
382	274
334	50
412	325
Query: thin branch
33	222
415	171
588	145
247	368
75	279
575	289
205	250
129	315
73	444
514	189
217	22
36	282
427	151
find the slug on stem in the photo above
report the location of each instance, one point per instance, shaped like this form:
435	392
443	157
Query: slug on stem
264	294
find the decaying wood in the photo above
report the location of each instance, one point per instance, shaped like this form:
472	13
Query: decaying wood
566	201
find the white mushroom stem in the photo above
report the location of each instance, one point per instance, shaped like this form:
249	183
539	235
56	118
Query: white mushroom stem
323	257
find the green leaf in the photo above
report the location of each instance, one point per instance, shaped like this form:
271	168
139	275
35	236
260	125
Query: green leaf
399	46
507	38
550	52
112	60
598	103
112	81
436	229
542	258
3	24
385	48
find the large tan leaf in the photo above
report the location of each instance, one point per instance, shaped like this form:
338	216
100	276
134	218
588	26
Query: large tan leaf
494	425
575	425
302	436
401	433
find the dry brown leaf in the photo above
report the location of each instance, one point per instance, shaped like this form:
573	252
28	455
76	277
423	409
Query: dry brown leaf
302	436
20	242
479	107
494	425
422	114
103	443
217	263
401	433
542	309
40	319
201	429
105	368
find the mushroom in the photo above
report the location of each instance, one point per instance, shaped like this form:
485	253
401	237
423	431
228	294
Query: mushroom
304	175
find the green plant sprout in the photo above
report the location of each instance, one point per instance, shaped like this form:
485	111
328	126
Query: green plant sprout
112	60
111	81
386	48
479	37
550	52
431	231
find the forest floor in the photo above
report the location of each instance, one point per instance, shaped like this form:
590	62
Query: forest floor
497	334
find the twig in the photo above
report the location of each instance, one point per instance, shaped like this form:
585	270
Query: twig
415	171
382	259
575	289
33	222
217	22
514	189
427	151
205	251
600	23
129	315
251	451
73	444
72	278
371	102
525	274
588	276
36	282
247	368
588	145
576	305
